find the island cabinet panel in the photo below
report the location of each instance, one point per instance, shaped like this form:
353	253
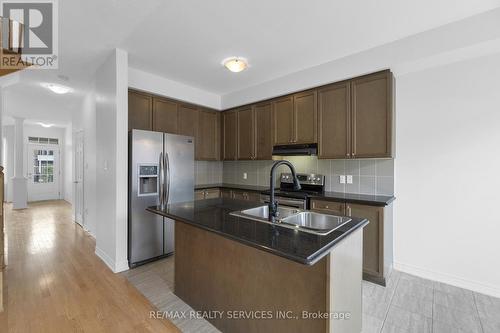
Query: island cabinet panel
264	131
371	98
305	117
208	135
232	276
373	240
246	134
334	121
283	121
230	135
140	111
164	116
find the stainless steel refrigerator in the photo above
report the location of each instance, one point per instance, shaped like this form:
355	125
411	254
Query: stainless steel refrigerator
161	171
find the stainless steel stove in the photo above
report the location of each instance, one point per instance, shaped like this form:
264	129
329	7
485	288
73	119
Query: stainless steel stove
286	196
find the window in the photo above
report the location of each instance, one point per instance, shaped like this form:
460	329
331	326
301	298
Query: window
43	166
51	141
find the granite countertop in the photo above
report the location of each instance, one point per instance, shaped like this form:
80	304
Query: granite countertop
214	215
366	199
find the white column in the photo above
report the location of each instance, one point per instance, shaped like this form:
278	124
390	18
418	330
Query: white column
19	181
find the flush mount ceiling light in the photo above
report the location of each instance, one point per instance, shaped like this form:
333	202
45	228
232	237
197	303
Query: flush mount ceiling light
235	64
45	125
57	88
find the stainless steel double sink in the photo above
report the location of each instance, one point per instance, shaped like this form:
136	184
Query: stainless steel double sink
311	222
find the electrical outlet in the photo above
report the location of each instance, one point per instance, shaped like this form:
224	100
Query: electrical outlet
245	175
349	179
342	179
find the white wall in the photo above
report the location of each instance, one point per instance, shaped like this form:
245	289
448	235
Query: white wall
447	174
85	121
152	83
112	160
68	166
8	159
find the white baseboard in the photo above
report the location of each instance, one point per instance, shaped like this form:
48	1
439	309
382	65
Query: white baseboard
448	279
115	267
104	257
121	266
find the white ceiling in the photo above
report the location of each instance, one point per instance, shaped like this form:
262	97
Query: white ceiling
185	40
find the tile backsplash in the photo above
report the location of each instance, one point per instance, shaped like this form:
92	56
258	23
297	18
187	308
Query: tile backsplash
370	176
208	172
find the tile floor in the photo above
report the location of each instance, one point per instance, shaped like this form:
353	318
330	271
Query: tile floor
407	304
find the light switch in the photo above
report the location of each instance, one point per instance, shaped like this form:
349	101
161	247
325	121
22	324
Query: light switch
245	175
342	179
349	179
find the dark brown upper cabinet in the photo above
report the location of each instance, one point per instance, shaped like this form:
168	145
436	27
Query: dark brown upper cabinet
263	131
187	120
187	117
246	133
140	111
164	115
209	135
155	113
230	135
371	99
355	117
283	123
305	117
334	121
295	118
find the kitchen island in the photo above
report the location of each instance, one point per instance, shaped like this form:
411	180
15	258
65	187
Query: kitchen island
251	276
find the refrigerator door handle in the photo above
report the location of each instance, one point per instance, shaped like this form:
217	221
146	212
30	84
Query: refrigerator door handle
161	181
167	178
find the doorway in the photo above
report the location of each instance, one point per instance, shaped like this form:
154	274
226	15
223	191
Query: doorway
78	178
43	172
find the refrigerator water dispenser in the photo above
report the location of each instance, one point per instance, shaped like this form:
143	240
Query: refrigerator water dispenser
148	179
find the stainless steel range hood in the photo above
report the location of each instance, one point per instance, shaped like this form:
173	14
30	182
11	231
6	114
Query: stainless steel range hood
296	150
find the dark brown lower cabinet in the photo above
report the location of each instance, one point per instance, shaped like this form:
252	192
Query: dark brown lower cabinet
210	193
377	235
227	193
245	195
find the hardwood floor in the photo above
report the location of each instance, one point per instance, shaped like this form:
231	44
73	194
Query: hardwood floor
54	282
